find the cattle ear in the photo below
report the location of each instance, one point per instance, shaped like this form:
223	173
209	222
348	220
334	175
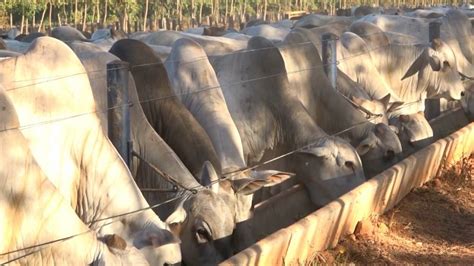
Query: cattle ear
257	180
209	177
178	216
367	144
385	100
246	186
416	66
394	106
271	177
435	62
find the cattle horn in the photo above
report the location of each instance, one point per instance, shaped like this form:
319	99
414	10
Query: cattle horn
209	177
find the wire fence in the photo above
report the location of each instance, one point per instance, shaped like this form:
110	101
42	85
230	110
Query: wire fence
193	190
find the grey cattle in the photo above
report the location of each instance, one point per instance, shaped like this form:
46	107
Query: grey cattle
414	72
316	20
34	212
272	121
167	115
212	45
455	32
146	143
214	212
68	34
57	115
268	31
375	142
195	83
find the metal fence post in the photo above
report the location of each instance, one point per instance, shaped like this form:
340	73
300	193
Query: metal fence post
329	57
433	106
118	106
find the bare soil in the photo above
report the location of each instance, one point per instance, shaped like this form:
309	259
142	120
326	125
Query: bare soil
433	224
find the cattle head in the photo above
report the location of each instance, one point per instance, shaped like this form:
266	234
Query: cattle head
438	59
328	168
413	130
377	107
380	149
205	221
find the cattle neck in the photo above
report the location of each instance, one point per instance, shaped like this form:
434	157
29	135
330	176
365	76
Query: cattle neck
190	72
332	102
393	63
115	194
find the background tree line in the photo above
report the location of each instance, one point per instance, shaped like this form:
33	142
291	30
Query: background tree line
135	15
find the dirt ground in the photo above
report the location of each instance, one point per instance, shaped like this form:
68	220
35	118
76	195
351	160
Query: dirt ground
434	224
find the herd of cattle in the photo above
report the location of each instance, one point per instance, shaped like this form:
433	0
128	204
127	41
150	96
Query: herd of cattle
213	120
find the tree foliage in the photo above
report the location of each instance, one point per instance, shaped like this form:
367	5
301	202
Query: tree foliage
132	12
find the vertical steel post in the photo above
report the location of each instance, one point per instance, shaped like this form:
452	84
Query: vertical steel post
329	56
118	108
433	106
434	30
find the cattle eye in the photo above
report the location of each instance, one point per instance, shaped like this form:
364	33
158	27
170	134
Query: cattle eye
202	235
349	164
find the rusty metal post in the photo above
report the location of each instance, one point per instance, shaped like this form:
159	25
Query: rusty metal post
118	108
329	57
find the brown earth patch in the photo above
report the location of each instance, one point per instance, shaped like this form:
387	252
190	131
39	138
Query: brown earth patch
434	224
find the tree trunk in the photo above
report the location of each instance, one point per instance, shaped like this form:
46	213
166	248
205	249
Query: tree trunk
42	17
84	19
92	29
75	14
65	14
226	11
11	20
22	23
97	10
105	13
145	17
180	13
200	12
50	16
33	22
59	20
93	17
265	3
26	26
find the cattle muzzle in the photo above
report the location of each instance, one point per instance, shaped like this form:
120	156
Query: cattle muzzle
389	156
173	264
